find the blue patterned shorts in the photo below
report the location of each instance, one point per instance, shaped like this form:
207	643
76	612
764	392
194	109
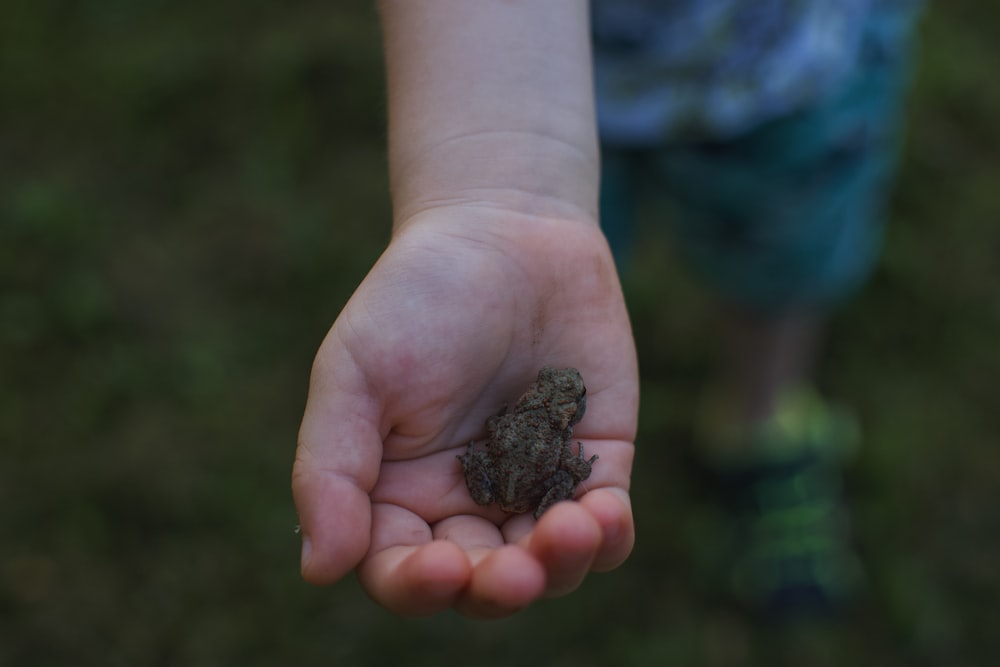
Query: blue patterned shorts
788	214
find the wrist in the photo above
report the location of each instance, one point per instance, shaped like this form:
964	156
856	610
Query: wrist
518	172
491	104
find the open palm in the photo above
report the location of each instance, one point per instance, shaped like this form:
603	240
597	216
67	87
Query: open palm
452	322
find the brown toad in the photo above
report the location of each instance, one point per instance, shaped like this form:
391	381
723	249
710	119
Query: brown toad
527	463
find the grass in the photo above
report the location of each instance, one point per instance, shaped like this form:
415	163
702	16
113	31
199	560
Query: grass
189	193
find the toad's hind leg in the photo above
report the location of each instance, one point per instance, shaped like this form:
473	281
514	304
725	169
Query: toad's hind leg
476	468
561	487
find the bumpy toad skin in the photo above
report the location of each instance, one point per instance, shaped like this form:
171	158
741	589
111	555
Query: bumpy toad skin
527	463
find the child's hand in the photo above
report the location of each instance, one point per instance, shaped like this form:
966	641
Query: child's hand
454	320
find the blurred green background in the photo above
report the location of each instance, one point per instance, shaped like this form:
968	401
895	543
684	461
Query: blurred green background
190	191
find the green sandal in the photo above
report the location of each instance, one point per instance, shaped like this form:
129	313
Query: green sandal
784	540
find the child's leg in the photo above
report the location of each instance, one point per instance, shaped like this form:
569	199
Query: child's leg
763	355
783	224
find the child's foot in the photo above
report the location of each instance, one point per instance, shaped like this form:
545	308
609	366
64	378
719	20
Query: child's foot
785	545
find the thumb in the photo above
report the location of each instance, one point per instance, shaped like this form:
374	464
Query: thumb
336	466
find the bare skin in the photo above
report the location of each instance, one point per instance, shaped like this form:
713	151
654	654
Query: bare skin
407	377
496	268
762	356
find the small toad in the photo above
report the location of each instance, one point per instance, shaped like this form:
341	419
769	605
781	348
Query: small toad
527	463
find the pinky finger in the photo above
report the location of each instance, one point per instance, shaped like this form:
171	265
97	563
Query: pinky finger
613	511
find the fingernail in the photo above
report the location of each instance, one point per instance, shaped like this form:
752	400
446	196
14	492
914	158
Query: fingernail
306	551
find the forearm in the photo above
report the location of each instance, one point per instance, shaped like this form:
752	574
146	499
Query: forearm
490	103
